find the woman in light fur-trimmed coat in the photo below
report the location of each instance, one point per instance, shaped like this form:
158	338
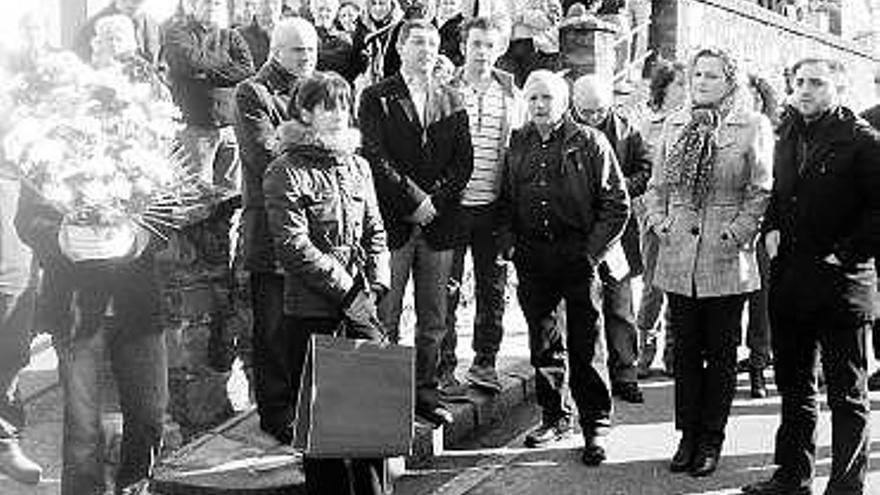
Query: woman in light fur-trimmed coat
708	192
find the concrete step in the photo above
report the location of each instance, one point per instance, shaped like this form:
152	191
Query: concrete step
238	458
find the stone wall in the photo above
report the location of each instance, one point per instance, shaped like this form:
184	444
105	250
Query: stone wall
764	41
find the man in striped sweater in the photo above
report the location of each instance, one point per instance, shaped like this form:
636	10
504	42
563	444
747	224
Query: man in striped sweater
494	109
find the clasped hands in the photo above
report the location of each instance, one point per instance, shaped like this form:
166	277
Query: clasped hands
425	213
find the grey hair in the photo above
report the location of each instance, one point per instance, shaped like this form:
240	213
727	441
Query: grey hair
557	84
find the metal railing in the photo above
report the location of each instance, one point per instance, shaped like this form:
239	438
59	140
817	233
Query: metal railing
633	61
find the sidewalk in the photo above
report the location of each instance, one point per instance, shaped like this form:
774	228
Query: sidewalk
237	458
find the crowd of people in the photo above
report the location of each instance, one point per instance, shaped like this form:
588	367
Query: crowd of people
373	146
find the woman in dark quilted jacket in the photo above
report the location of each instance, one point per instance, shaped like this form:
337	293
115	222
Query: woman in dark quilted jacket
329	237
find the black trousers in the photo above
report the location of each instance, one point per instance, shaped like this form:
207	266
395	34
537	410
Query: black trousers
815	305
549	273
331	476
707	332
273	350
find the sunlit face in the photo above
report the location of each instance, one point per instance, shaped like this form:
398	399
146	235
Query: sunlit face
297	51
328	122
545	107
114	37
482	48
267	12
347	16
815	89
428	8
709	84
379	9
209	11
590	109
324	12
447	9
418	52
129	7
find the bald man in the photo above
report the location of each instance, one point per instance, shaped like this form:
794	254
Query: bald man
592	99
262	103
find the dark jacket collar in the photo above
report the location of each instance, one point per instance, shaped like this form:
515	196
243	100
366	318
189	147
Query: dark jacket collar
833	125
275	77
569	129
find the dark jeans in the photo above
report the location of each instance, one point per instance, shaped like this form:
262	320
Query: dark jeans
16	317
273	348
549	273
758	329
620	327
490	279
325	476
835	320
138	360
430	270
707	332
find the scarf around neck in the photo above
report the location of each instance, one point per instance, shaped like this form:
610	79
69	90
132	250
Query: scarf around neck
691	163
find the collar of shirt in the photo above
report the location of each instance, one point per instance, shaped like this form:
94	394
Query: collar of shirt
554	132
418	91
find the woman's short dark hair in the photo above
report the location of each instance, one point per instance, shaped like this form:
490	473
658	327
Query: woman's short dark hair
662	75
327	89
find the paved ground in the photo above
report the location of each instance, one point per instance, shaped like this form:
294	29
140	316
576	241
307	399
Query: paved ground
639	449
493	461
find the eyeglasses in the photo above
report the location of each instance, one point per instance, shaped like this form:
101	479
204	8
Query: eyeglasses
589	114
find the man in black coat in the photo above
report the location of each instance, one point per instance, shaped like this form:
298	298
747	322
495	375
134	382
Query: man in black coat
416	137
591	104
262	106
205	63
822	233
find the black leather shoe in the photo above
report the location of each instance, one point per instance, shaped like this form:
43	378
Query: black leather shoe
757	383
437	416
549	433
776	486
628	392
594	451
705	461
684	455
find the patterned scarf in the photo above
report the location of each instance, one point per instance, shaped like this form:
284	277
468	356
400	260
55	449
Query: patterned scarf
691	163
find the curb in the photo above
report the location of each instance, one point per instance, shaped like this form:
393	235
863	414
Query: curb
479	410
238	442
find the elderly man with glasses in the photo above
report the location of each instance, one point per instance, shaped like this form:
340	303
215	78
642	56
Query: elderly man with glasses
592	100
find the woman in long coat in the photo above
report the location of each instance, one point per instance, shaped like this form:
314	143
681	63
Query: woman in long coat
708	191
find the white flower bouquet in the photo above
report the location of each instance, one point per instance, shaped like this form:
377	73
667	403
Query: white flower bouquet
100	145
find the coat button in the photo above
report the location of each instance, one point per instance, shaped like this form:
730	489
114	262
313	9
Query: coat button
695	230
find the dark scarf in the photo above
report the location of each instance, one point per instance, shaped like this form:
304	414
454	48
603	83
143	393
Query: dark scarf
691	163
